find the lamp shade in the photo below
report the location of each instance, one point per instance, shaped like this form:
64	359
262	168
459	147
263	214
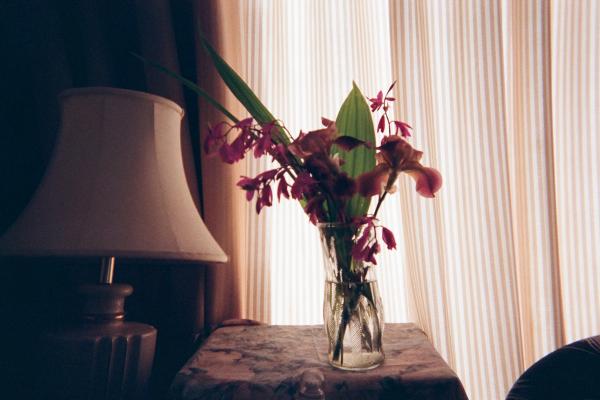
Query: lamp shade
115	185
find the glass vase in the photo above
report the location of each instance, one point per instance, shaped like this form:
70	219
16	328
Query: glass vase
352	309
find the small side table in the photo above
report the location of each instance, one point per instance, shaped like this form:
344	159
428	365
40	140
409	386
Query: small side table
290	362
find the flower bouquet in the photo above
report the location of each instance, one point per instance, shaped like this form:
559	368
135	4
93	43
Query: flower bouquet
333	172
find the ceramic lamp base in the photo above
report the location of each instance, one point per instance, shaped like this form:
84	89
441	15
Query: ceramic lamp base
104	357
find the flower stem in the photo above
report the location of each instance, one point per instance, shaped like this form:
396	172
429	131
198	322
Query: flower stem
379	203
338	351
388	186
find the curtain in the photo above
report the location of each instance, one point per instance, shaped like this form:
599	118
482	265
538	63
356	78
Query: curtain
501	268
224	204
504	97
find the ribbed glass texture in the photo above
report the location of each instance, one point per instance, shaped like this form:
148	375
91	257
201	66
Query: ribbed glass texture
352	309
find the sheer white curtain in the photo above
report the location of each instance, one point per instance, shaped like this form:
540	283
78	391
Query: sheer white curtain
503	266
504	97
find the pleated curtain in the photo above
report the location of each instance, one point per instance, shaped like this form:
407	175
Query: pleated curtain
503	266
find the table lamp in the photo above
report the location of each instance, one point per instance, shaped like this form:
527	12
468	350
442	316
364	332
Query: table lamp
115	188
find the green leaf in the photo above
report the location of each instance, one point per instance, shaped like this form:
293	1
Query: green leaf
249	100
354	119
242	91
191	85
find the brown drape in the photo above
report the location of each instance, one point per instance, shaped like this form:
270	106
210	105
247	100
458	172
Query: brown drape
224	203
47	47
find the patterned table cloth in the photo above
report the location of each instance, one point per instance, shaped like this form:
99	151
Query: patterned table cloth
290	362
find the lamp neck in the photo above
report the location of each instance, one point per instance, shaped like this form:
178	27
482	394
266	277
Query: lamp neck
107	270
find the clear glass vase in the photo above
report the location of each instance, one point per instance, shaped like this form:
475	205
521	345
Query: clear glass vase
352	309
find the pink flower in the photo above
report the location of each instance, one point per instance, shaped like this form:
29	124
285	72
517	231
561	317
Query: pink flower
428	181
215	138
348	143
376	102
302	185
381	124
250	185
388	238
343	185
366	247
261	184
228	154
265	199
263	144
313	142
373	182
321	140
397	155
314	209
390	89
360	250
373	251
314	148
246	123
238	148
381	100
327	122
267	175
282	189
280	154
403	127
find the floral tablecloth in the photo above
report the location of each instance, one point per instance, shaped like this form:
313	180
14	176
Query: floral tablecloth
290	362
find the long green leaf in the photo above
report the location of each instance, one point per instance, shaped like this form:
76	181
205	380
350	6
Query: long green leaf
354	119
249	99
242	91
191	85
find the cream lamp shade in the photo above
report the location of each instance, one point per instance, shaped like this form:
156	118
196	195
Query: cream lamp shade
115	185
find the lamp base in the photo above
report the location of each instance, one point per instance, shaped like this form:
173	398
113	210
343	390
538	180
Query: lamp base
104	357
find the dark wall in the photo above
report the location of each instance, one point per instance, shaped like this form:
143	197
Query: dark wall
46	47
